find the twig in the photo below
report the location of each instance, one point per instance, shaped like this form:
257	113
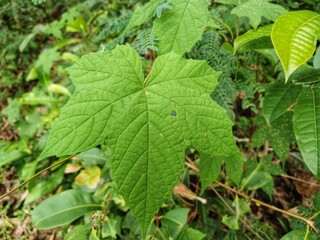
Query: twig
300	180
34	176
309	222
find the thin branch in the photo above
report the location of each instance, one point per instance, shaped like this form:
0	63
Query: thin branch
233	212
309	222
300	180
34	176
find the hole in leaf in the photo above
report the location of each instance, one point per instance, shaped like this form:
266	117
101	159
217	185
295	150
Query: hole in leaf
173	113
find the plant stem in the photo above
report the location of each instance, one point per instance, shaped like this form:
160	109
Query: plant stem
309	222
34	176
225	25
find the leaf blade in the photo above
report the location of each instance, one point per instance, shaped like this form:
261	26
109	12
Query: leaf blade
294	36
63	208
306	125
180	28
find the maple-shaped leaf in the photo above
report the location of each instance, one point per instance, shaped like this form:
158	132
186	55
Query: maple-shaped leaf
148	121
256	9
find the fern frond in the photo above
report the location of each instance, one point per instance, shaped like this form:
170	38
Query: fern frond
36	2
145	41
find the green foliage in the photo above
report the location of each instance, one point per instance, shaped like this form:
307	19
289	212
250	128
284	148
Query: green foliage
286	36
63	208
256	9
138	120
186	74
306	128
187	18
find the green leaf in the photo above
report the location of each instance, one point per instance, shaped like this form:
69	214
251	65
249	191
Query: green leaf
175	220
256	9
180	28
7	157
254	39
316	59
256	179
148	122
306	125
79	232
305	75
297	235
294	36
210	168
278	99
241	207
44	186
191	234
142	14
63	208
234	166
279	132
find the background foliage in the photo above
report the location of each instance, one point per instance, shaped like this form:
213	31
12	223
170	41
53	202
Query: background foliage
266	100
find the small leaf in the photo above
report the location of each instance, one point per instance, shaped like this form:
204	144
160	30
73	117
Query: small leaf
256	179
79	232
180	28
306	127
294	36
234	166
254	39
175	220
298	235
316	59
210	168
63	208
142	14
191	234
256	9
278	99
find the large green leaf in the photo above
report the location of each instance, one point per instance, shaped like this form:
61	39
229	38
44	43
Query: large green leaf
180	28
63	208
294	36
306	125
278	99
148	122
254	39
256	9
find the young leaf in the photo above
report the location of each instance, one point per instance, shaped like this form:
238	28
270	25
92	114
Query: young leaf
180	28
294	36
254	39
234	166
142	14
278	99
149	122
63	208
210	168
306	127
256	9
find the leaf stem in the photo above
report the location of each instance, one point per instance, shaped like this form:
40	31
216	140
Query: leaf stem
225	25
34	176
309	222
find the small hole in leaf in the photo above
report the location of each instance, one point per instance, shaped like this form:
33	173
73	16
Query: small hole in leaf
173	113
